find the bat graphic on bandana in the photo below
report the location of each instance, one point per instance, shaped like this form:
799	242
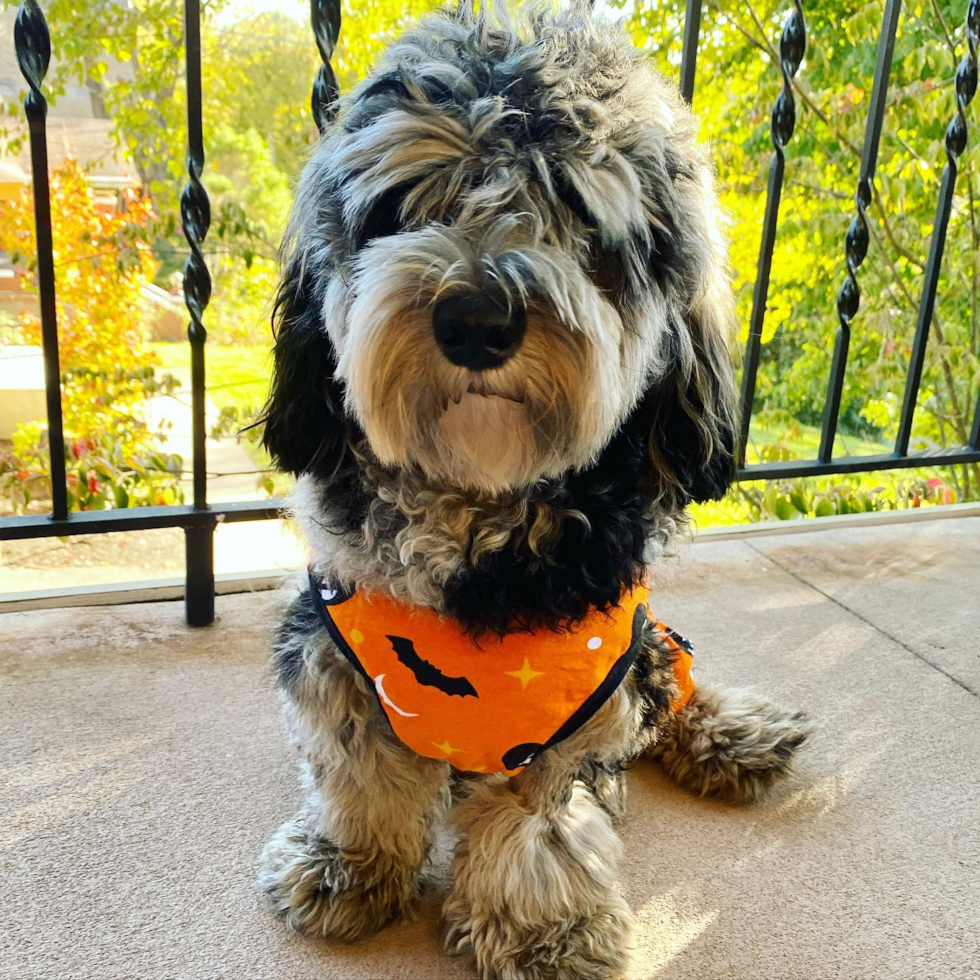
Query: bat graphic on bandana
428	675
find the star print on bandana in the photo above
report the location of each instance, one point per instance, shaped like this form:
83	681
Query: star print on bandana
525	675
446	747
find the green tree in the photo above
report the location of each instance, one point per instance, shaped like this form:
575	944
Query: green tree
738	81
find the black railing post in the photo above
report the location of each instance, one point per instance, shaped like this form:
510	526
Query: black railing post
195	212
689	51
32	42
325	18
856	241
975	433
792	47
966	88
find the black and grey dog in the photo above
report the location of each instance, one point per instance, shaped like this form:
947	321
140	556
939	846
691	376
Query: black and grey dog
501	374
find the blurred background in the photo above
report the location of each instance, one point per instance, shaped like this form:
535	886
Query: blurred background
117	141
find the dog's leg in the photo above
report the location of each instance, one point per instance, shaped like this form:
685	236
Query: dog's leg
732	744
534	891
350	862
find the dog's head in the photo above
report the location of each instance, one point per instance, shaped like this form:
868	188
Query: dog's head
503	252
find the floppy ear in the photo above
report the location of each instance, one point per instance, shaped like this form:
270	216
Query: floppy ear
691	407
306	428
690	410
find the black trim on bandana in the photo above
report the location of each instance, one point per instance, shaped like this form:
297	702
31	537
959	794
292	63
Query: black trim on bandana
524	754
322	605
682	641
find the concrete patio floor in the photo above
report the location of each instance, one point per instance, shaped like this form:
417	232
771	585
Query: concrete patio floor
143	765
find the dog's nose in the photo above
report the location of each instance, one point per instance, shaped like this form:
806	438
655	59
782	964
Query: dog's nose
478	330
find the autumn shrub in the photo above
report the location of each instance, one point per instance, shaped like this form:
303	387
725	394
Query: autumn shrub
103	262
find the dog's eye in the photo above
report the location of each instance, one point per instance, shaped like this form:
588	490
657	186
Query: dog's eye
572	200
606	270
384	217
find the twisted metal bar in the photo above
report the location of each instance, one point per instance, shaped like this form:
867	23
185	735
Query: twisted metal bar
689	52
325	17
975	434
195	213
32	42
956	135
856	241
792	47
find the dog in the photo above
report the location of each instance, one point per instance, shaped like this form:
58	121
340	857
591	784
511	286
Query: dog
501	374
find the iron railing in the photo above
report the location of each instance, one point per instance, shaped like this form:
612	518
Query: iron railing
199	519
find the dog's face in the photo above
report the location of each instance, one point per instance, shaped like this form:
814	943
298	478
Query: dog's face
507	239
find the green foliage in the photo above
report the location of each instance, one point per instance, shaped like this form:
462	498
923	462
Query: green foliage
789	500
238	422
102	472
737	83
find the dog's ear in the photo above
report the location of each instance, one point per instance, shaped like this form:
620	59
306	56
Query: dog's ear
689	411
690	407
306	428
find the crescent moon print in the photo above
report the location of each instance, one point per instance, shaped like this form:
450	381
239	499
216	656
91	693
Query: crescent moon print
379	687
426	674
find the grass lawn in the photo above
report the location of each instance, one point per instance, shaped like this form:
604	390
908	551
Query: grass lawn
235	376
805	443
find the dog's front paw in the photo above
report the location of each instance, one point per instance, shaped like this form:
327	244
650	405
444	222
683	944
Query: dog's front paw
732	744
320	890
588	947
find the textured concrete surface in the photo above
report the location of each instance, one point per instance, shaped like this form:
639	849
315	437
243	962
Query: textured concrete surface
143	765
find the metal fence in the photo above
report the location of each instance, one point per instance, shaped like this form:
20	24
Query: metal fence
199	520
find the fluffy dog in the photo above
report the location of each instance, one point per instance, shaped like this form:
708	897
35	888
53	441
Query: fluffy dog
501	374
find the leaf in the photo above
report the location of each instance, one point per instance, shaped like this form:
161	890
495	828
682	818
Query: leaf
825	509
798	501
785	511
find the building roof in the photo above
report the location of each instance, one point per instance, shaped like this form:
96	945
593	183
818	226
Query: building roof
74	127
89	141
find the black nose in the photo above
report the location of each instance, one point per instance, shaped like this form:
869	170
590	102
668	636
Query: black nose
478	330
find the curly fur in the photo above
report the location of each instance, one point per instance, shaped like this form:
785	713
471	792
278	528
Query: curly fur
535	897
540	158
732	744
351	861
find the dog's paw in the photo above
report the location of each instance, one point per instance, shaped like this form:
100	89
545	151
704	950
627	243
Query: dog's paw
321	891
588	947
732	744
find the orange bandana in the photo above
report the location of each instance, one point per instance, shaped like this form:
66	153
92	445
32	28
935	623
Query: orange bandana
491	705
